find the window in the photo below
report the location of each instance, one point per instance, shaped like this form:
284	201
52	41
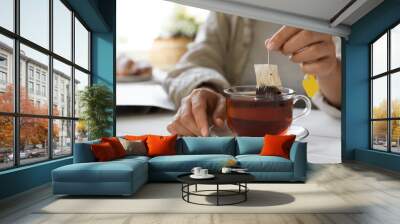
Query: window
37	74
3	61
34	21
62	29
6	74
81	45
7	14
62	74
3	78
44	77
37	89
44	91
30	72
30	87
45	123
3	71
62	137
81	81
385	94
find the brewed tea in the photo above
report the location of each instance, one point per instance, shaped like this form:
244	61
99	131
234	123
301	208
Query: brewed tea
248	116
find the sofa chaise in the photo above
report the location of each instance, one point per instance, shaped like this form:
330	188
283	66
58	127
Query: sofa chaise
125	176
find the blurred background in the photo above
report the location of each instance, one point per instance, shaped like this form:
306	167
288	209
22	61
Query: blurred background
147	47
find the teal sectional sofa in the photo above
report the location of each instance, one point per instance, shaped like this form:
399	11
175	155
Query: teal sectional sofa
125	176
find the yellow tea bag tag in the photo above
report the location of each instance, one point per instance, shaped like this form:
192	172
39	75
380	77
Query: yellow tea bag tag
267	75
310	85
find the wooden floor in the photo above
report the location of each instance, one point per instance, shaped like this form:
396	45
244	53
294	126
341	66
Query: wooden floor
379	189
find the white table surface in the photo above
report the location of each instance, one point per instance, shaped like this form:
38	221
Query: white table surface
324	141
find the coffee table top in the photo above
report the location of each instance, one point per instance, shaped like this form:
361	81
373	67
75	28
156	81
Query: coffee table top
220	178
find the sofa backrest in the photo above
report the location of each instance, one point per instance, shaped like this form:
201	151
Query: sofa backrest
192	146
83	152
249	145
206	145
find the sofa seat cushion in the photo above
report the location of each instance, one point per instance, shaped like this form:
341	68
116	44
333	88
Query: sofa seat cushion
133	158
185	163
113	171
257	163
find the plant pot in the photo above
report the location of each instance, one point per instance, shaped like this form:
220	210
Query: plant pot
166	52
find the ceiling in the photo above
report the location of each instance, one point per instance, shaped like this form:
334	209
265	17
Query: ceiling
329	16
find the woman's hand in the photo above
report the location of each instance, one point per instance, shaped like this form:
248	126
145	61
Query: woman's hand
315	53
192	118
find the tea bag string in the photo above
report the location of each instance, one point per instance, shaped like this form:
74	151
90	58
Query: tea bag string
268	56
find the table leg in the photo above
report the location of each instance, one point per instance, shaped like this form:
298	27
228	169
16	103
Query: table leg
188	189
182	188
245	191
217	194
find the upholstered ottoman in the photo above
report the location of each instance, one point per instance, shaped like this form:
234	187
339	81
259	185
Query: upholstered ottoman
118	177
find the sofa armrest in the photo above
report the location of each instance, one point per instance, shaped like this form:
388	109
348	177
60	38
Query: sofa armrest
83	152
298	155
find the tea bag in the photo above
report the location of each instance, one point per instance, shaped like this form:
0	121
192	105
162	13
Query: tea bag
268	80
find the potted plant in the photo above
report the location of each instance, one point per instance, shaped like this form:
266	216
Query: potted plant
96	102
177	33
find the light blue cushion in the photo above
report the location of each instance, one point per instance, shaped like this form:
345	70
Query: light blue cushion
206	145
249	145
257	163
185	163
98	171
133	158
83	152
118	177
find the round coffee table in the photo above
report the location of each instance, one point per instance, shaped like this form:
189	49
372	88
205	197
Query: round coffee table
238	179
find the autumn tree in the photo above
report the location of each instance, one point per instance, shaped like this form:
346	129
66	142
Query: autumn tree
33	131
380	127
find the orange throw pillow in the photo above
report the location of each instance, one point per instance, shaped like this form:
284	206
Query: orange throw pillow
277	145
161	145
136	137
103	152
116	145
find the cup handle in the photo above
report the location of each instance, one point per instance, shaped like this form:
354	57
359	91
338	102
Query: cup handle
306	110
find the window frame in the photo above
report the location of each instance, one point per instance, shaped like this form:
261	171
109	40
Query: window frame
388	74
16	115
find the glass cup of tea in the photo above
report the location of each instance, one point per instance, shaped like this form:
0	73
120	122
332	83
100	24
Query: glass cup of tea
249	114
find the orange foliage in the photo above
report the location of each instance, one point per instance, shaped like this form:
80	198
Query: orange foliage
33	130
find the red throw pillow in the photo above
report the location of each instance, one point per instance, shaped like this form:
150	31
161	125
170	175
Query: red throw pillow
161	145
116	145
103	152
277	145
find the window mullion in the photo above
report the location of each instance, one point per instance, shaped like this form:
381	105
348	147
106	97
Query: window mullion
16	84
371	89
73	83
50	81
389	101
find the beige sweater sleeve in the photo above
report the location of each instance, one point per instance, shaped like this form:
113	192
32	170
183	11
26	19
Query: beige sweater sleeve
203	62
